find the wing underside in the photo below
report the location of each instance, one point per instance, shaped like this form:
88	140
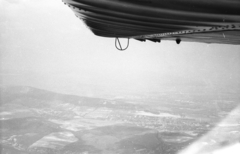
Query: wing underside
215	21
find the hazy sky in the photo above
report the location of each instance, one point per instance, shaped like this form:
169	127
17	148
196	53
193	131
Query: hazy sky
43	44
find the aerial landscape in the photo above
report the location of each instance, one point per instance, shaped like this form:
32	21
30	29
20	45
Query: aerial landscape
41	122
64	90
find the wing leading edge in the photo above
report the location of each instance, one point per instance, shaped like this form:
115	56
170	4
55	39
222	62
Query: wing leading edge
215	21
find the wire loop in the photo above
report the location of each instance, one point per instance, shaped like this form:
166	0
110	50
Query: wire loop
119	44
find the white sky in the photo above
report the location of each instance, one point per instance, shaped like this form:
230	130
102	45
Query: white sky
43	44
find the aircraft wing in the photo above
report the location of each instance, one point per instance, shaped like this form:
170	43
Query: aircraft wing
207	21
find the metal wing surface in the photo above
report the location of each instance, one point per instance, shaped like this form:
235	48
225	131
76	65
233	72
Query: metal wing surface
207	21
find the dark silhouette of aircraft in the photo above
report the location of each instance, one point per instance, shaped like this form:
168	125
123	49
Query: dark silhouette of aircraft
206	21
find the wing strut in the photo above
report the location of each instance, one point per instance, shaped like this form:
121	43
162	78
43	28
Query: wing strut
119	46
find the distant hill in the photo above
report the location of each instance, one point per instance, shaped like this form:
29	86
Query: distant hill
34	97
16	92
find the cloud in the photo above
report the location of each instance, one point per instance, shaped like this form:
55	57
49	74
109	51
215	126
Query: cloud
15	1
14	4
10	5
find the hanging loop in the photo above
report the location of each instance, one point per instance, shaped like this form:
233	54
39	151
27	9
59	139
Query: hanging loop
119	46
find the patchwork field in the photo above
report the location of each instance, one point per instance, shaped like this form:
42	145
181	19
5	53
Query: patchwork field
36	121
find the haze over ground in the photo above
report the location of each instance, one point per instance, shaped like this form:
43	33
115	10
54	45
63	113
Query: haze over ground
43	44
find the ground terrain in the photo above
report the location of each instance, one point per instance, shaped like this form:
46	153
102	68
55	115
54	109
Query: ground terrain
35	121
